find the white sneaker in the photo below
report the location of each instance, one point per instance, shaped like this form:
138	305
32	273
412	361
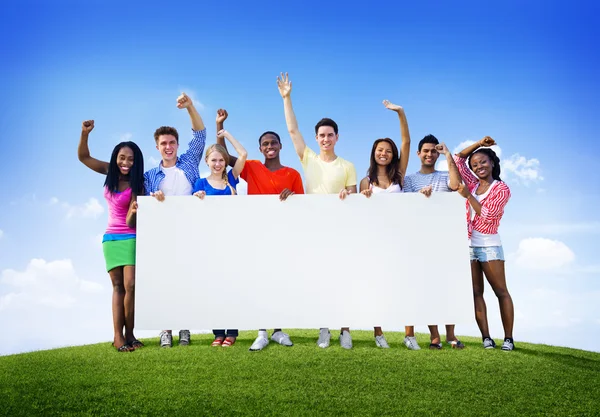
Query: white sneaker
488	343
324	338
260	343
282	338
346	340
508	345
381	342
166	339
411	343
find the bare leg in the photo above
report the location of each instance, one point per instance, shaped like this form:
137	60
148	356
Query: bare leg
118	310
129	301
480	307
494	272
450	336
345	328
435	334
377	331
409	330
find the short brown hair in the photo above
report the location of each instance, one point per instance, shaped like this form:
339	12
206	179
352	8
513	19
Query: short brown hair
166	130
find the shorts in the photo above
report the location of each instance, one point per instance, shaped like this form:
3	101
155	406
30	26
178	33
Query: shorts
486	254
119	253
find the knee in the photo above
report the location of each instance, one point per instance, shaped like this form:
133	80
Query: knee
501	293
477	292
118	287
130	286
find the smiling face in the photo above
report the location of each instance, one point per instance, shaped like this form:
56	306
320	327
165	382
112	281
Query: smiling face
383	153
481	165
428	155
167	145
216	162
326	138
125	160
270	146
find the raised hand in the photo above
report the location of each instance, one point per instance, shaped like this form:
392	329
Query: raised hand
463	190
285	194
87	126
441	148
368	192
221	115
159	195
426	191
284	85
183	101
222	133
487	142
200	194
392	106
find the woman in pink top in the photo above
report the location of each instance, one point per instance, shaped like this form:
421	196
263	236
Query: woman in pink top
124	182
486	195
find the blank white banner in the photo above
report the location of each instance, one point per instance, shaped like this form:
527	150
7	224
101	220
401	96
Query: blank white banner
313	261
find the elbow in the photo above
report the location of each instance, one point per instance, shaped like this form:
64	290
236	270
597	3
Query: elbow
243	155
293	130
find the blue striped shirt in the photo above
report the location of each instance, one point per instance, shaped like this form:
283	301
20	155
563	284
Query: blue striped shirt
438	180
188	163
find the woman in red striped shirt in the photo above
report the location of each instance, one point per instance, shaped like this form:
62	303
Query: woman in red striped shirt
486	196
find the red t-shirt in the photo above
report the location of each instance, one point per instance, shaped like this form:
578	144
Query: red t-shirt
262	181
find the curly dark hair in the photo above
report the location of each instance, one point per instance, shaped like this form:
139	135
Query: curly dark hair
493	158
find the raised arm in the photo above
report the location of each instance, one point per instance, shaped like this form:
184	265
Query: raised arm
221	117
184	102
285	89
454	175
83	150
242	154
404	134
461	160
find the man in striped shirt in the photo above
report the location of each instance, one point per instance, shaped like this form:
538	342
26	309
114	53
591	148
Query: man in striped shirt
426	181
176	175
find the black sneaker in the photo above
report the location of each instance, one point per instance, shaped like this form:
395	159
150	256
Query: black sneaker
508	344
488	343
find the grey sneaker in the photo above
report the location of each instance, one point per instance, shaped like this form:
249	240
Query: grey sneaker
166	339
184	337
282	338
508	344
381	342
411	343
260	343
346	340
324	338
488	343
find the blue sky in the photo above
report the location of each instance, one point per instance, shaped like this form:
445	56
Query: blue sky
525	74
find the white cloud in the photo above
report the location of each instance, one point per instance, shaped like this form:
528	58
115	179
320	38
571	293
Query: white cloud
91	209
523	169
543	254
152	162
1	233
49	305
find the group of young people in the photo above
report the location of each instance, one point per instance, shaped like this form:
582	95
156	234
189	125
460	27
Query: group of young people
474	173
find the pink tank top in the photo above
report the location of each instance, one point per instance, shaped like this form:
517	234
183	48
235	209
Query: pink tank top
118	206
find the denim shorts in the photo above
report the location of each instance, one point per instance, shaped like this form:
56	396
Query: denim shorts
486	254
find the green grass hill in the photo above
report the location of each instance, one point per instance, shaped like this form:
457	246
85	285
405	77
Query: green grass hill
302	380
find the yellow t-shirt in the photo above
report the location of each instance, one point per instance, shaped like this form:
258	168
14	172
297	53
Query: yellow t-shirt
326	177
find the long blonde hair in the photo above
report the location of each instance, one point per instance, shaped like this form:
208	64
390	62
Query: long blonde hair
215	147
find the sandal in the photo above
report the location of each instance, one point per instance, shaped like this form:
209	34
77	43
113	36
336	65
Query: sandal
217	342
125	348
456	344
136	344
228	341
435	346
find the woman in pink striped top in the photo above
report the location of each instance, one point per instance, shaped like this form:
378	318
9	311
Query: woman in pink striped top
124	182
486	196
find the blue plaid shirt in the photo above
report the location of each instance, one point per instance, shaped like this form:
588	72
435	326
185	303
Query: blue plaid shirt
188	163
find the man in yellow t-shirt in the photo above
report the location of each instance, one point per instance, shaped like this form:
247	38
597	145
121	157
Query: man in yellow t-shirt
325	173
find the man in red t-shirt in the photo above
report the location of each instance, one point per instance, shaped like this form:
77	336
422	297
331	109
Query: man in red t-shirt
269	177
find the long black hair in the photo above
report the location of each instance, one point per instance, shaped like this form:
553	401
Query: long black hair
493	159
136	173
392	171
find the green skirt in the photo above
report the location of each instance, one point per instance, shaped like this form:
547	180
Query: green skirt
119	253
